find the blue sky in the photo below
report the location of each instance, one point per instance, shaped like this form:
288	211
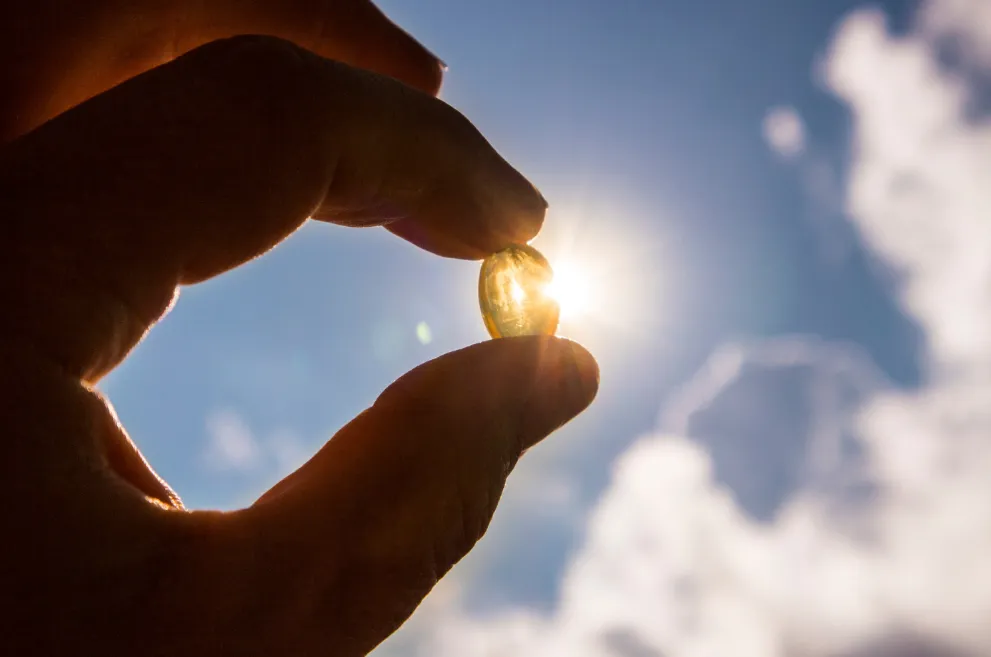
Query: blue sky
788	282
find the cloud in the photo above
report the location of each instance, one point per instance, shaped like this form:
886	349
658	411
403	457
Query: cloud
874	538
966	23
785	134
918	185
784	131
230	443
792	503
905	643
624	643
231	446
777	416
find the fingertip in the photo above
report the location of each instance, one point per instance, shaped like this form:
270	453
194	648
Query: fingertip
456	195
517	209
536	383
586	370
476	216
433	75
567	380
403	57
419	68
529	218
445	243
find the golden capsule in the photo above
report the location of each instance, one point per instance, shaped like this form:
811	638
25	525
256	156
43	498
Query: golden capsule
513	293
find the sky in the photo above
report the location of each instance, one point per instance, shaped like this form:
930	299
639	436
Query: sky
783	213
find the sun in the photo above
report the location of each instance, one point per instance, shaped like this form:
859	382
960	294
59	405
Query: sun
572	289
604	281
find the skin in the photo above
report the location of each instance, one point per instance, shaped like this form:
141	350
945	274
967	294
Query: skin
147	147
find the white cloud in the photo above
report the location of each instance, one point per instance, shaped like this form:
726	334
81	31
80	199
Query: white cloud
230	443
919	189
673	565
777	416
966	22
784	131
882	544
232	446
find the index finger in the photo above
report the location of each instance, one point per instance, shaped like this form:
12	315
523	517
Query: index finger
206	162
355	32
52	59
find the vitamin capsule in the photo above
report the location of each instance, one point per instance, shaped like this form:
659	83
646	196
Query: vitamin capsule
513	294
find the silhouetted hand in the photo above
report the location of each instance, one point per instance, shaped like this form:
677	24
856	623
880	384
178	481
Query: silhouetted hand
189	168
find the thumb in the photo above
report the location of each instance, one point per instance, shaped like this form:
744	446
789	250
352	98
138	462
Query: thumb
360	534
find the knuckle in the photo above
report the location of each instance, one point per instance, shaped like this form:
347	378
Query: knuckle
251	52
256	66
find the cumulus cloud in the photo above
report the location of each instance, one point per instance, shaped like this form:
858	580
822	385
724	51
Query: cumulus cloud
231	446
966	22
785	134
919	191
891	534
674	564
778	416
230	443
784	131
792	503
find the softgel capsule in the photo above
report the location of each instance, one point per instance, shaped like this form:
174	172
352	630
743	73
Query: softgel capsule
513	293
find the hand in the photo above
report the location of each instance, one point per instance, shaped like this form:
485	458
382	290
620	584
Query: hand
177	175
56	56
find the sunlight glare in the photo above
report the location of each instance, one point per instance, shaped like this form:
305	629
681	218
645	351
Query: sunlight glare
572	290
605	280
